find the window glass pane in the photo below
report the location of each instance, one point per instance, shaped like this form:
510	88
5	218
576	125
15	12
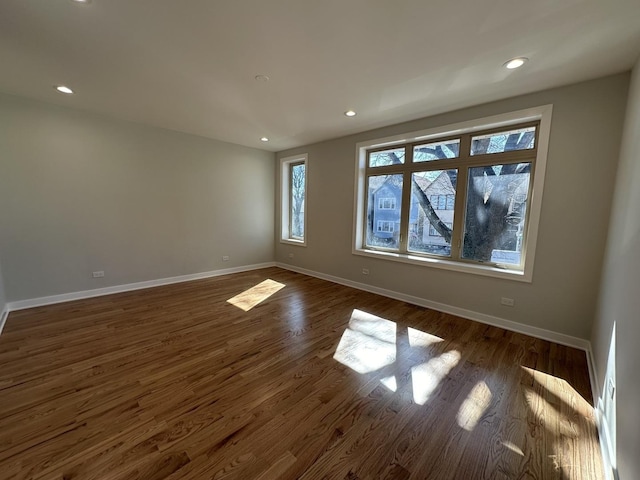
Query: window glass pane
451	200
383	211
431	213
386	157
298	193
436	151
521	139
497	200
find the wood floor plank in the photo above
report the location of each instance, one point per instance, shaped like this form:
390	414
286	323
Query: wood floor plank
315	381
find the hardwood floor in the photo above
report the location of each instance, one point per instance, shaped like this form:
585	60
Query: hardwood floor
316	381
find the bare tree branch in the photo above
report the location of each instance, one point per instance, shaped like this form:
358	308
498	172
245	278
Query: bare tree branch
425	204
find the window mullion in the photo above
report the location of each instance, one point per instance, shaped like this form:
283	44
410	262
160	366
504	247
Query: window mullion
518	156
461	198
501	224
459	213
367	198
406	207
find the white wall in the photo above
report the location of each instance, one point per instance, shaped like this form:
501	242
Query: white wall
583	154
80	192
619	304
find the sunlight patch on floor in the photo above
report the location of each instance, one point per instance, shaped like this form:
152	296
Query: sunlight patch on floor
560	389
418	338
427	376
474	406
368	344
390	383
513	447
559	408
256	294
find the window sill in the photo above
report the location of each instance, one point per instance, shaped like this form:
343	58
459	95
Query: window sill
290	241
485	270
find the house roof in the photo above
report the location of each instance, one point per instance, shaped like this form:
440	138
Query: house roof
441	185
192	66
423	182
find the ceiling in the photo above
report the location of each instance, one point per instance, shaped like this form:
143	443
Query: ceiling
190	65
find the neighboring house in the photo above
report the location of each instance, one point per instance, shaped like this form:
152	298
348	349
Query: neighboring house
386	200
441	194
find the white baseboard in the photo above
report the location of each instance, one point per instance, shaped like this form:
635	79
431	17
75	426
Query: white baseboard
536	332
593	377
605	442
461	312
98	292
603	432
541	333
441	307
3	317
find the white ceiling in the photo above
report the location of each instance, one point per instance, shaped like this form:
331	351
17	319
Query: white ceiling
189	65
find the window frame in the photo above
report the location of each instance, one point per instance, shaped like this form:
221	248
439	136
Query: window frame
286	191
537	115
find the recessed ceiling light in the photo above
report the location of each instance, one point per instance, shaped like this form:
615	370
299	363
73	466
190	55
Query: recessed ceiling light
81	1
515	63
64	89
262	78
350	113
264	139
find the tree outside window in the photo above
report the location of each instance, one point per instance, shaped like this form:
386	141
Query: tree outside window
293	200
470	192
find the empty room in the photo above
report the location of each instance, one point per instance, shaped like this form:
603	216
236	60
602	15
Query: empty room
353	240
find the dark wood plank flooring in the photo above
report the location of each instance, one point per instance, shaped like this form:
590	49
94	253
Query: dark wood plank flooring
316	381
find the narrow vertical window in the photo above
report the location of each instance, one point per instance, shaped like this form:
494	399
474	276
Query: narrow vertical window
294	199
297	191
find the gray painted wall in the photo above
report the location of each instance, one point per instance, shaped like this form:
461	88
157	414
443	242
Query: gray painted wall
583	154
80	192
619	300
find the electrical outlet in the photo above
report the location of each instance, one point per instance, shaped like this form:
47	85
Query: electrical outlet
98	274
612	388
291	255
509	302
225	258
365	271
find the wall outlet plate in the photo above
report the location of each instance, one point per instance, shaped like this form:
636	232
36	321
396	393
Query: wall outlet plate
98	274
611	387
508	302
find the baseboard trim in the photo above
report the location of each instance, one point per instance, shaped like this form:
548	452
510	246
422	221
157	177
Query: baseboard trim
99	292
441	307
582	344
604	435
605	443
3	317
593	378
536	332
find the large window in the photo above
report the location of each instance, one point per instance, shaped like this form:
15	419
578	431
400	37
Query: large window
293	199
462	201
